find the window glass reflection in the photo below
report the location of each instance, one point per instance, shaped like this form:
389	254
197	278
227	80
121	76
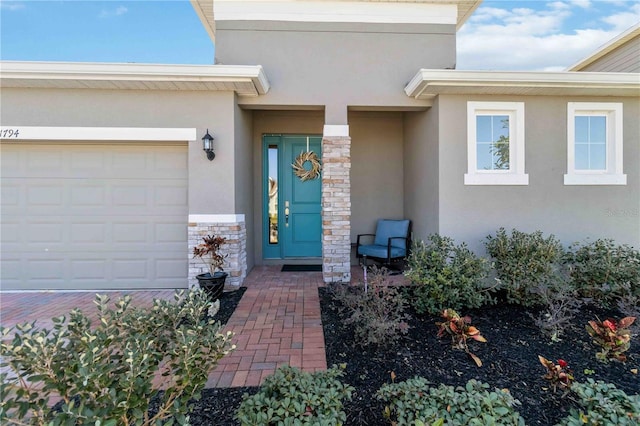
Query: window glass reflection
273	193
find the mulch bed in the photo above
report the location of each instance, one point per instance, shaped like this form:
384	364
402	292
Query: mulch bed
510	360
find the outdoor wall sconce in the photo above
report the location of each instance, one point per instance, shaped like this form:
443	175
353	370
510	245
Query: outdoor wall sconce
207	146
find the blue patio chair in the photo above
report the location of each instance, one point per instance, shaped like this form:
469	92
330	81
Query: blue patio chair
391	242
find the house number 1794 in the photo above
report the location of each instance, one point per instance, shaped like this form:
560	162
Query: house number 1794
9	133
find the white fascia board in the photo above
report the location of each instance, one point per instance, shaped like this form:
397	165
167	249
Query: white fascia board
461	79
609	46
85	134
134	72
336	11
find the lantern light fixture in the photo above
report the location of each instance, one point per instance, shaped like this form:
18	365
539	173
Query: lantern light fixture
207	146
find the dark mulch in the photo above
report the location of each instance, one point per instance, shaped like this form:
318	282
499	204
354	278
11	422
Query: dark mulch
228	304
510	360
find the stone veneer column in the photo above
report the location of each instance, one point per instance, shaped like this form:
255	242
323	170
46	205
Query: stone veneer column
233	228
336	204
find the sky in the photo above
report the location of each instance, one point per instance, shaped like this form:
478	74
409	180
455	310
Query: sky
534	35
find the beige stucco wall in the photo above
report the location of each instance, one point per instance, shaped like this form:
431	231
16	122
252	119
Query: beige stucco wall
421	171
211	184
572	213
376	169
244	175
336	65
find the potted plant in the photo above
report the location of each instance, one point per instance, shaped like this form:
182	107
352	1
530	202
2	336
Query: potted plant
208	251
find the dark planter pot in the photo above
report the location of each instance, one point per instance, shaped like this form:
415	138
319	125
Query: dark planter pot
213	286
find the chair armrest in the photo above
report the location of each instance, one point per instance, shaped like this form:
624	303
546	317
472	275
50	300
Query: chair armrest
363	235
389	246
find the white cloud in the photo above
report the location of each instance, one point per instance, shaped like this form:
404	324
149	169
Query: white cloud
623	20
527	39
11	5
120	10
585	4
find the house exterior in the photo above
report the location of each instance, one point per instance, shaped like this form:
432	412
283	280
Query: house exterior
617	55
105	184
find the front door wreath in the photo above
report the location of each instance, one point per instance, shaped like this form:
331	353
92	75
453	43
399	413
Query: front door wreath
299	166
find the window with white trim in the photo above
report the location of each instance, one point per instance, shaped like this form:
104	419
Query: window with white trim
594	144
495	144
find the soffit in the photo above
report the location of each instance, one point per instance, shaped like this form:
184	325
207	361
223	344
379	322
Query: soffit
244	80
427	84
204	10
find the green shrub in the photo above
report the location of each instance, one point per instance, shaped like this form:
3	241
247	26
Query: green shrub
522	260
376	314
603	404
104	372
446	275
415	402
602	270
292	397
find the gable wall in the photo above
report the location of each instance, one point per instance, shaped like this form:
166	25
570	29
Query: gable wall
336	64
625	58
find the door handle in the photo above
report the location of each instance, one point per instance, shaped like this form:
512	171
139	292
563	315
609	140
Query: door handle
286	213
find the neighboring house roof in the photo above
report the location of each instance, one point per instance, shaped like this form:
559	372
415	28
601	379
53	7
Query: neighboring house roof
427	84
204	9
245	80
608	47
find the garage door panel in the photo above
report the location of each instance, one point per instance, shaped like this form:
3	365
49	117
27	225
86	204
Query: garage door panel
169	195
125	268
128	232
45	195
10	195
94	217
89	269
47	269
87	161
50	233
170	269
87	233
123	196
88	195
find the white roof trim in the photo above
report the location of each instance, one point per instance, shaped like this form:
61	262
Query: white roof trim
204	10
427	84
609	46
246	80
336	11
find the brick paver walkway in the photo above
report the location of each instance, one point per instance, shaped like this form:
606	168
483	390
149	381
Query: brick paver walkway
277	321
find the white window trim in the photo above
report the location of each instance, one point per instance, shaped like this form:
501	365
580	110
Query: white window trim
516	174
613	175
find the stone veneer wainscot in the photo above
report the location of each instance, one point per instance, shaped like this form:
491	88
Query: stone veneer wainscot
231	227
336	207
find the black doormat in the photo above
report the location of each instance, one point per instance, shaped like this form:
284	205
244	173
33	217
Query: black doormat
301	268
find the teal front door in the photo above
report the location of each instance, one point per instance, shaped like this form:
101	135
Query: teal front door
292	219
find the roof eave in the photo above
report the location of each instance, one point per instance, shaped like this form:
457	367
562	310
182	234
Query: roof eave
204	10
48	73
427	84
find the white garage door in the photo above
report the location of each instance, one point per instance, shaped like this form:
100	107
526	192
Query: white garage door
93	216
